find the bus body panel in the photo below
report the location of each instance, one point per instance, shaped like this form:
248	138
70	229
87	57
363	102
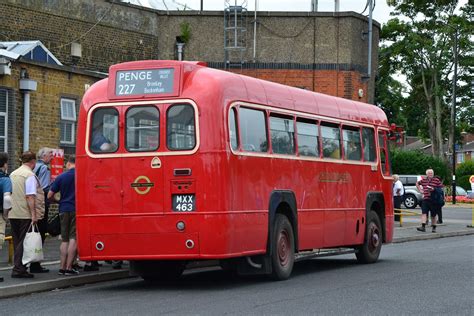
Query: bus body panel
231	190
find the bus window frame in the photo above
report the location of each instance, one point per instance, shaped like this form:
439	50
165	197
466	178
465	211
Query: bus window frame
302	115
168	107
285	117
351	128
119	106
306	120
388	164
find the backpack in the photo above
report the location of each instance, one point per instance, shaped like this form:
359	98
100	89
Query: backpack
437	196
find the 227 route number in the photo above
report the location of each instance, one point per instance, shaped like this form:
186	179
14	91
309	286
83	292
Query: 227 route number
184	203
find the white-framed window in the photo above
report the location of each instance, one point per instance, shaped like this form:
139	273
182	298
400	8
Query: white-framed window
459	157
3	120
68	121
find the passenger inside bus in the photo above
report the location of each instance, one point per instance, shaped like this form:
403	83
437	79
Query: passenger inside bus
99	142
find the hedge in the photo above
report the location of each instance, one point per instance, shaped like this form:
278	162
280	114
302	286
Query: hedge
416	162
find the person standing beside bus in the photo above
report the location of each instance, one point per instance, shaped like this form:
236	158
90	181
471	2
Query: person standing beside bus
427	185
5	195
398	192
64	184
27	208
43	173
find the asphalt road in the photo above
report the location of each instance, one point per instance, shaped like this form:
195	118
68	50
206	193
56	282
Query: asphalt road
424	277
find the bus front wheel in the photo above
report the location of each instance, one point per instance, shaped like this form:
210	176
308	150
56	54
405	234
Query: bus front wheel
283	248
369	251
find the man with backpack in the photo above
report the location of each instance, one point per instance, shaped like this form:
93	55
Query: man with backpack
427	185
5	196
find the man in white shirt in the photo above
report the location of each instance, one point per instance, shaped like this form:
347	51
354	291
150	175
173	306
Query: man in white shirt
398	192
27	207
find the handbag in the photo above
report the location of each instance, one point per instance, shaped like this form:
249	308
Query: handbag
54	225
32	246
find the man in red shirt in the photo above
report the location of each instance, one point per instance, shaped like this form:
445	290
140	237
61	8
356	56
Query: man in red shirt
427	185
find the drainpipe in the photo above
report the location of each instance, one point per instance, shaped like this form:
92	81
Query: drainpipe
369	61
26	86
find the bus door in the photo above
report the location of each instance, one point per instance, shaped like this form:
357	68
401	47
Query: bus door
142	175
104	174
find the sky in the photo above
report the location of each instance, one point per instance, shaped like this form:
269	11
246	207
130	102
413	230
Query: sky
380	14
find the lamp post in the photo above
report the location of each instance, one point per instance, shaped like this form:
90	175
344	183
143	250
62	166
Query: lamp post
453	111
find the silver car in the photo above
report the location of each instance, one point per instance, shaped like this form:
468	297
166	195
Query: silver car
412	196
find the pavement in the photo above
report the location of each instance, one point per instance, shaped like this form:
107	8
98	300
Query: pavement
50	281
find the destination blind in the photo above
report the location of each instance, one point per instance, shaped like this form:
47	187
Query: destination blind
145	81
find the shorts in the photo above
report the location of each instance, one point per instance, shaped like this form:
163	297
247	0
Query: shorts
428	206
68	225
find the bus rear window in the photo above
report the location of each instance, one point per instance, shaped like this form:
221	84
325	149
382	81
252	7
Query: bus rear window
104	136
143	128
180	127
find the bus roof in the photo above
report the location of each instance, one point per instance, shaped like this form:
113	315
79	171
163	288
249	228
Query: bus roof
235	87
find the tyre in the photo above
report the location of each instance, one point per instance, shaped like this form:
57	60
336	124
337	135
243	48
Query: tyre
283	248
369	251
410	201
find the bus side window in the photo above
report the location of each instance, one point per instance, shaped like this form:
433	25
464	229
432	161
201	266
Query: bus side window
282	132
351	142
308	138
253	130
331	138
104	134
368	140
233	134
384	161
180	127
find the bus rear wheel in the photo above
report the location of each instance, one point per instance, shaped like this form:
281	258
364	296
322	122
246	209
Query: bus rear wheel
283	248
369	251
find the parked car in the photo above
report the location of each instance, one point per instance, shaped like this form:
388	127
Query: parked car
412	197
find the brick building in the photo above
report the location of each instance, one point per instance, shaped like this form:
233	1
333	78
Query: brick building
55	92
320	51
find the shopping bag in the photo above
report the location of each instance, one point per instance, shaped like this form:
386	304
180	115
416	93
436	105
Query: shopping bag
32	246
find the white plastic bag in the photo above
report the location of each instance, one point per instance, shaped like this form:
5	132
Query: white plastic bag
32	246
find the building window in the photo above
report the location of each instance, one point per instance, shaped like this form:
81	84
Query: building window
460	158
68	121
3	120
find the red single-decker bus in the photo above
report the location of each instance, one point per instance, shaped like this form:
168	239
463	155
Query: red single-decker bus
178	162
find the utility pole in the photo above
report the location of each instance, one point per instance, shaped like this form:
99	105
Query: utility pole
453	111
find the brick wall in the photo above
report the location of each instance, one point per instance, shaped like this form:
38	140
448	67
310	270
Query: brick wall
53	83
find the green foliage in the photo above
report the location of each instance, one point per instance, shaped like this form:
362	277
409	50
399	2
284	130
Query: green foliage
418	43
416	162
463	181
185	28
465	169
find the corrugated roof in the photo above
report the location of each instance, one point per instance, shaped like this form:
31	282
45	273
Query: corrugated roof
32	50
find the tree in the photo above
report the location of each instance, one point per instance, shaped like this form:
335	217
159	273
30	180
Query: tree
418	43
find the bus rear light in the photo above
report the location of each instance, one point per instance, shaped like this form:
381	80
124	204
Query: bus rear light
180	225
189	244
99	246
182	172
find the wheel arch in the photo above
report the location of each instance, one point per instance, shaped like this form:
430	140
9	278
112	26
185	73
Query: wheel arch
375	201
282	202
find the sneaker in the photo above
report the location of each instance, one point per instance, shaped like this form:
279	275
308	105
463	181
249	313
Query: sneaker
440	222
91	268
433	230
1	279
76	266
61	272
71	272
421	229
